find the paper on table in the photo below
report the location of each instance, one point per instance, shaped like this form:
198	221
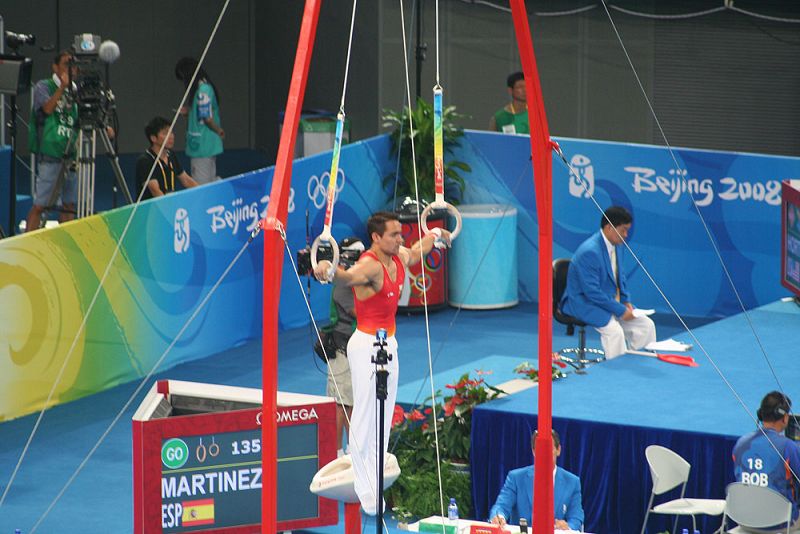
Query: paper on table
668	345
639	312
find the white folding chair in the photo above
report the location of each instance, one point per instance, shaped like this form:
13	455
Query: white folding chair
669	470
755	507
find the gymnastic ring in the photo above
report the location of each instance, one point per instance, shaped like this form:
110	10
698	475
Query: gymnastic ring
200	448
213	449
450	209
334	262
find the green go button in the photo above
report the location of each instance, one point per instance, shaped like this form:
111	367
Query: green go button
174	453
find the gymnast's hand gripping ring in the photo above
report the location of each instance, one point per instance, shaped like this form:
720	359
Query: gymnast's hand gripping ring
450	209
322	238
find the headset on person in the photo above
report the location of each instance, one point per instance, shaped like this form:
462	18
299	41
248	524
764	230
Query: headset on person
773	407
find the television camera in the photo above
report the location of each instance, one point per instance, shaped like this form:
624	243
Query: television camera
15	79
91	93
348	255
90	76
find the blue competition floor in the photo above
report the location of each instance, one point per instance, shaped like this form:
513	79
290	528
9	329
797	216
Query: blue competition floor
100	499
621	406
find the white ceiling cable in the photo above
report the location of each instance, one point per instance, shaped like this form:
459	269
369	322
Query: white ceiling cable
726	5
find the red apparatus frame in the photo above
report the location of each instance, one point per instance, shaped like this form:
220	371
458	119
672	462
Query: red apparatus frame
541	147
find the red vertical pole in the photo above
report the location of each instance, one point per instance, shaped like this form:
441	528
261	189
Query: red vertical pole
542	174
277	211
352	518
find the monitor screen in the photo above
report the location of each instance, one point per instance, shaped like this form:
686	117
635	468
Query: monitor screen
791	235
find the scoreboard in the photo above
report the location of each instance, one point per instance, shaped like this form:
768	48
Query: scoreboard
197	459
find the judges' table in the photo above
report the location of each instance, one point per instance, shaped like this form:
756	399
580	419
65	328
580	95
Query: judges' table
464	526
608	457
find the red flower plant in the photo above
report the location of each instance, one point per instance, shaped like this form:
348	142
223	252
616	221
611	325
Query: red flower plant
450	405
415	415
398	416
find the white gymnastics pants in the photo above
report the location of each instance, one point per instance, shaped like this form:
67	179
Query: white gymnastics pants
363	442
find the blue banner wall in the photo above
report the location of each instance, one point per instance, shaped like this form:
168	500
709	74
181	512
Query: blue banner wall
737	194
178	246
222	215
175	251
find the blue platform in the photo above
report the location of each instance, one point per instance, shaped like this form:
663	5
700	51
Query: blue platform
609	416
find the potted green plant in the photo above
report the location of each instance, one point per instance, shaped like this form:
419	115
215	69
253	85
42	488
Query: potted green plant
416	492
422	118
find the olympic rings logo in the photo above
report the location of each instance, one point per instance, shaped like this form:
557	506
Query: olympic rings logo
434	260
318	187
422	283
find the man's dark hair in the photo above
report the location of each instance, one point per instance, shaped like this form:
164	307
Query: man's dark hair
616	215
155	125
774	406
556	439
513	78
377	222
57	57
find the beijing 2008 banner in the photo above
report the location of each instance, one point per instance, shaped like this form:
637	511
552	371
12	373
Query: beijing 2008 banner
738	195
176	248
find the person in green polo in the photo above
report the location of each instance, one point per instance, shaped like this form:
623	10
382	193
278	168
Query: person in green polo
513	117
204	133
54	119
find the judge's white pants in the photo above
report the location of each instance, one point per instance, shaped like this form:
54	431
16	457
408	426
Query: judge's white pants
363	441
638	332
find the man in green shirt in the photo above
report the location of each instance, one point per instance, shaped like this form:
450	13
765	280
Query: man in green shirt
513	117
53	122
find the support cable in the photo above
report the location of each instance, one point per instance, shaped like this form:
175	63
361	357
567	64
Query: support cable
107	269
142	383
683	175
675	312
419	237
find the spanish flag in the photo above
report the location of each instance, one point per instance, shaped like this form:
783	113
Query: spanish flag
200	512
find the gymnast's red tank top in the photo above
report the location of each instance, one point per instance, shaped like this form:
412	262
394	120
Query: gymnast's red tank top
378	311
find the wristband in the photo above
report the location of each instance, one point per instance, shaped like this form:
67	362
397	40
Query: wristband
438	241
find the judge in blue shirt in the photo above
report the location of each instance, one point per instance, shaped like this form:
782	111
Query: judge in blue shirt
516	498
597	291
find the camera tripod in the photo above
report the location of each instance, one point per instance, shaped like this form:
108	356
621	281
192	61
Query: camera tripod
84	142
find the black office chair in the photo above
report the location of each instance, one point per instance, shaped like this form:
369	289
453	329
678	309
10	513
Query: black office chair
560	270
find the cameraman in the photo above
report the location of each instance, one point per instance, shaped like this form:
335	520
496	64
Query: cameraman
53	122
